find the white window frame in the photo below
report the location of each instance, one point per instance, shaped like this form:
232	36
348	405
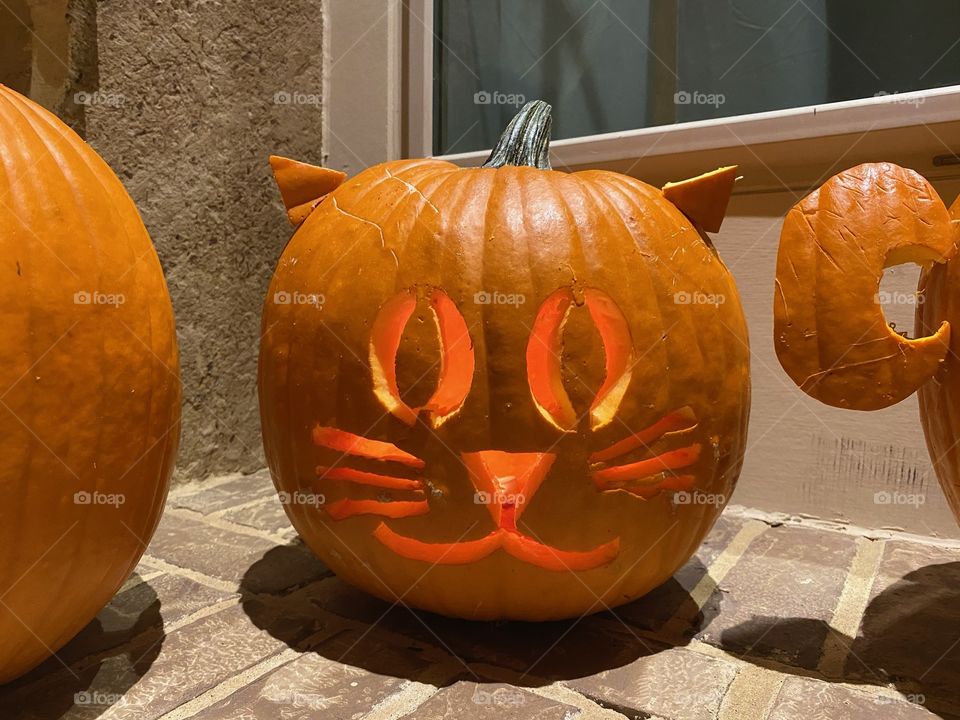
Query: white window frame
802	143
379	98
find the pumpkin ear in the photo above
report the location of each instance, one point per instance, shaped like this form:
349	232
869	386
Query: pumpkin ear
704	198
303	186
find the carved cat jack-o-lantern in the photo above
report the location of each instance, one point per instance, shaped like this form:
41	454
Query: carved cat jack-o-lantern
507	391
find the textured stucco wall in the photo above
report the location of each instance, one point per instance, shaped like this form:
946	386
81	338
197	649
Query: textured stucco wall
185	100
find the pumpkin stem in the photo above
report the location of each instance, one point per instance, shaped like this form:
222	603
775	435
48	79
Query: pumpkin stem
526	141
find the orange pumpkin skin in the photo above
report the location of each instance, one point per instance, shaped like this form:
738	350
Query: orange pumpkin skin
89	419
830	332
940	396
427	240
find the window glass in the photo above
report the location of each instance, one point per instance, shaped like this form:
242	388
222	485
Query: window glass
609	65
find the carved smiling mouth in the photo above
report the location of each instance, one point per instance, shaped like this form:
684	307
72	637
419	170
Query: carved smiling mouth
505	483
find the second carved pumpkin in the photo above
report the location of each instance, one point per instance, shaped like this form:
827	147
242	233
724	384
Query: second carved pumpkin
831	335
507	391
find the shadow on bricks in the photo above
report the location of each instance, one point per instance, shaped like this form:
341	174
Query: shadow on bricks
87	674
346	625
909	637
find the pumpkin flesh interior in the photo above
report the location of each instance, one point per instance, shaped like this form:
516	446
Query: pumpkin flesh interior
351	444
618	352
348	507
509	481
519	546
361	477
456	360
384	344
543	361
456	357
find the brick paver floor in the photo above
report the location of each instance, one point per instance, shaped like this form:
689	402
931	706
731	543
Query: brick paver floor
229	617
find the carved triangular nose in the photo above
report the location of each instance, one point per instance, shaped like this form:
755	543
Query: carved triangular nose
506	481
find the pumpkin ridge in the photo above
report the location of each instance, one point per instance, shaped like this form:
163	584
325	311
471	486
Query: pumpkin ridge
19	124
296	349
26	123
694	339
98	171
577	255
577	242
95	166
669	320
609	212
490	223
368	189
400	207
524	197
412	175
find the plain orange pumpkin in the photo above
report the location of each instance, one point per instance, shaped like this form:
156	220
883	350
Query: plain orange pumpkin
89	387
501	392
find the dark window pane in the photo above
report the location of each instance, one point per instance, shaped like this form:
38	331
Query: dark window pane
610	65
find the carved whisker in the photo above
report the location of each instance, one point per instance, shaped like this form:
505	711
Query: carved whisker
671	460
682	419
391	509
352	444
648	487
362	477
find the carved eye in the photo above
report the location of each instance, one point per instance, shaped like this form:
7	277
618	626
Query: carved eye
544	350
456	357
